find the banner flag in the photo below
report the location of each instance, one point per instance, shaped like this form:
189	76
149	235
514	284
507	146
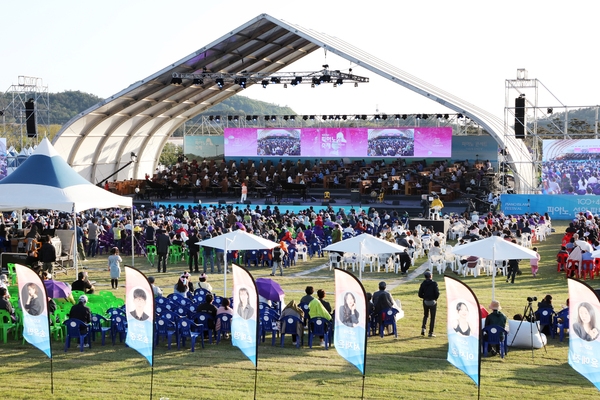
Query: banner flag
139	307
350	333
244	327
464	328
584	344
34	303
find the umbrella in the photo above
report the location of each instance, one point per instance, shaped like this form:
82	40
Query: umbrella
237	240
365	244
269	289
584	245
496	247
57	289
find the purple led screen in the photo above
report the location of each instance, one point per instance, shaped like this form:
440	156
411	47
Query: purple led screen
339	142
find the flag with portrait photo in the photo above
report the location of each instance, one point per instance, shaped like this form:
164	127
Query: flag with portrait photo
244	327
584	331
350	333
34	303
139	308
464	328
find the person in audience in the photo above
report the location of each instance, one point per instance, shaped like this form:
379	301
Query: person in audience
114	266
308	297
292	309
534	262
162	249
223	309
321	295
155	289
203	283
182	287
429	292
209	308
5	303
82	312
496	317
83	284
47	254
316	309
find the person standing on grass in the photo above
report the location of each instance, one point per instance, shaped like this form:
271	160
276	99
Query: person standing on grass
534	262
114	266
429	292
277	261
513	268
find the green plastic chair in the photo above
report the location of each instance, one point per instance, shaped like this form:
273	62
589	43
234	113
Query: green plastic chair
6	324
151	252
56	329
175	253
12	273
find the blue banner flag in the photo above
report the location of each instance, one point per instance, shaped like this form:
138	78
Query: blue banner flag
139	306
584	331
464	328
350	333
244	327
34	303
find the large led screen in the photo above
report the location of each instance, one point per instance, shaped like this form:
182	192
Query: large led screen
338	142
571	167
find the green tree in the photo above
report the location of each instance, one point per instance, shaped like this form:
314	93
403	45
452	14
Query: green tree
170	153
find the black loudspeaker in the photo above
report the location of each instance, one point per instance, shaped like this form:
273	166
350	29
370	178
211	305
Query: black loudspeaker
520	117
30	118
247	202
222	202
395	203
297	203
325	204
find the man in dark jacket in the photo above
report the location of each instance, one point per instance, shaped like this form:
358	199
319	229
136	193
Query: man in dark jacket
47	254
209	308
429	292
162	249
405	262
194	250
81	312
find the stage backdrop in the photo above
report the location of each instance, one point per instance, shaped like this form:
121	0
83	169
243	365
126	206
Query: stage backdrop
563	207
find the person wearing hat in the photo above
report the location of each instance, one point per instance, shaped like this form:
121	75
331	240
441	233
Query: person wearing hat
203	284
429	292
81	312
498	319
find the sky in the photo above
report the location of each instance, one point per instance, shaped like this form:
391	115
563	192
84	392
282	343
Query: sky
468	48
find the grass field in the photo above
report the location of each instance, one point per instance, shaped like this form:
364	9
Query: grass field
410	367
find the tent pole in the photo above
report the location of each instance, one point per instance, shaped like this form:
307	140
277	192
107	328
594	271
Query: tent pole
493	273
74	245
132	243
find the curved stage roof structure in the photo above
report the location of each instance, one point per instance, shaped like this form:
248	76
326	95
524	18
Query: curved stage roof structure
140	119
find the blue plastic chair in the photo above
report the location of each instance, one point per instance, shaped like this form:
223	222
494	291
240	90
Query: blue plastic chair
252	257
495	335
206	321
166	328
186	328
265	258
217	301
115	311
224	322
175	297
290	326
202	292
388	318
268	324
304	307
78	329
99	325
118	326
318	327
546	318
561	323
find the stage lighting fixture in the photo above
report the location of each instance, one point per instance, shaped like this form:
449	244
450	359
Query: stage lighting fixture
236	118
286	117
176	81
296	81
230	118
377	117
285	85
325	78
312	117
425	116
292	117
267	117
220	83
344	117
305	117
198	81
316	81
218	118
404	116
397	117
550	110
248	118
357	117
275	80
331	117
324	117
337	117
446	116
243	83
211	118
340	81
384	117
255	118
459	115
439	116
265	83
326	66
273	117
418	116
363	117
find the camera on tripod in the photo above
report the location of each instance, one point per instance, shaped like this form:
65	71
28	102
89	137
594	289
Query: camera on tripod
531	299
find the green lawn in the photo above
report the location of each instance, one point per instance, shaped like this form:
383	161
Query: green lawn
410	367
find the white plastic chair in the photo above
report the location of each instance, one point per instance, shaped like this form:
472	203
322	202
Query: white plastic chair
437	261
333	259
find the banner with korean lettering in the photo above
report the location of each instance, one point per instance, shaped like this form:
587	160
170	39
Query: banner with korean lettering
350	333
244	327
139	307
464	328
34	303
584	331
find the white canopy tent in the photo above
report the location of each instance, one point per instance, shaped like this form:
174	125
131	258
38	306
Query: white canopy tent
46	182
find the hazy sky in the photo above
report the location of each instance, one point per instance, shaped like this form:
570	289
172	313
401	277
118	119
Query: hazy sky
468	48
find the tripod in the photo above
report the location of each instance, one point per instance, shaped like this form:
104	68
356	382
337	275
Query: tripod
529	315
